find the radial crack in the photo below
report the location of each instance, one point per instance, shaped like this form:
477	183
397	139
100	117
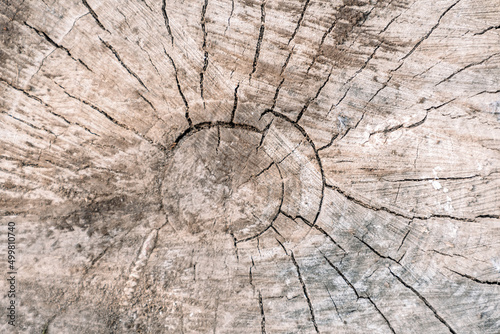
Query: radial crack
28	124
343	96
56	45
423	300
320	46
303	110
334	304
123	64
430	31
289	153
36	98
86	129
400	126
283	68
113	120
321	230
94	15
474	279
167	21
487	29
264	133
262	315
218	139
358	296
204	48
452	178
404	238
385	209
235	104
280	243
375	251
186	105
148	102
276	93
64	119
343	276
304	288
390	22
235	242
414	125
285	64
380	312
364	64
441	105
330	143
261	36
466	67
264	170
316	227
306	4
250	275
230	16
487	92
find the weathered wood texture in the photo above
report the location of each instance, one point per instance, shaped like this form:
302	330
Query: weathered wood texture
226	166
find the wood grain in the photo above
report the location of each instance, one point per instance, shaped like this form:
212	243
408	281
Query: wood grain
226	166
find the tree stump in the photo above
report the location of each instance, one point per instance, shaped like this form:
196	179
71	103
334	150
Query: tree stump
223	166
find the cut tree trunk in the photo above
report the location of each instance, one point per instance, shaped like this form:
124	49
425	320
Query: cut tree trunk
223	166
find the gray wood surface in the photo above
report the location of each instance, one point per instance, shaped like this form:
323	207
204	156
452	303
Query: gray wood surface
226	166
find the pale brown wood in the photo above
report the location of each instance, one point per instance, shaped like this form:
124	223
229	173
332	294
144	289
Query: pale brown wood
224	166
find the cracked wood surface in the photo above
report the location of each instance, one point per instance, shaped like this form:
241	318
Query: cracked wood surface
252	166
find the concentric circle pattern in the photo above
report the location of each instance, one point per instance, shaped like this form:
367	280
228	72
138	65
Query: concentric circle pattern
238	179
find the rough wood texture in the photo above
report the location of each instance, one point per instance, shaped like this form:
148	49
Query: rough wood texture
225	166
